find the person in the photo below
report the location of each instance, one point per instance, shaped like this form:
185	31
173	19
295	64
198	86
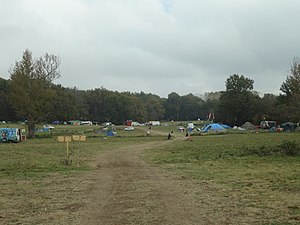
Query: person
169	136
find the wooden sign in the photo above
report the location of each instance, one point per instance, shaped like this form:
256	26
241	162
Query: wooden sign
76	137
61	138
82	138
64	138
68	138
79	138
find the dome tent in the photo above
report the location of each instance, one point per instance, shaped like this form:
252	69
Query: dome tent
248	126
213	127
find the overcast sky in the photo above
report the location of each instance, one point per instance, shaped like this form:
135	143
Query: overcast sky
156	46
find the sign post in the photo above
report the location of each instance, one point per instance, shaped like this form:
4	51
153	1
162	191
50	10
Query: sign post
78	138
67	161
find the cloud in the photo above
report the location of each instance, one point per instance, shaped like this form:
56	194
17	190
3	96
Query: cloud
158	46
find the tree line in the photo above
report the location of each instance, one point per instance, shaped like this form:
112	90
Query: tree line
30	94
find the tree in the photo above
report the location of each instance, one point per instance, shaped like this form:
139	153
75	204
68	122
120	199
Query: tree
32	94
236	101
65	104
191	107
292	84
238	84
291	89
6	112
154	107
173	106
211	104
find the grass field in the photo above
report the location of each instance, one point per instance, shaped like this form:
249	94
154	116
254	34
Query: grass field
234	184
228	177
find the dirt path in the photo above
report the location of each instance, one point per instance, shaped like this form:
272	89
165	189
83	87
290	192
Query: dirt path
126	190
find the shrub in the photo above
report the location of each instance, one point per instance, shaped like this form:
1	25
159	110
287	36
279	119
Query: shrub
289	148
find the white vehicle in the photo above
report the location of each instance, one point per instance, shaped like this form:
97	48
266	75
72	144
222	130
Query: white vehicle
86	123
154	123
48	127
135	123
129	128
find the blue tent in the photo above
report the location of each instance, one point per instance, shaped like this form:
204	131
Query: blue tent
110	133
215	127
225	126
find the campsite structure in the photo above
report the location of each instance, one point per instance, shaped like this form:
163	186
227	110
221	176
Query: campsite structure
213	127
267	124
288	126
10	135
153	123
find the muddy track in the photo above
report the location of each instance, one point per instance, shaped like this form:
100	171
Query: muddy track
127	190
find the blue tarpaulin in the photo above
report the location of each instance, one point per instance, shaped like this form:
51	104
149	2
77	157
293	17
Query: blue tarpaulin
213	127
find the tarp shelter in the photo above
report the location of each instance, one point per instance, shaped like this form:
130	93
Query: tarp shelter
213	127
288	126
225	126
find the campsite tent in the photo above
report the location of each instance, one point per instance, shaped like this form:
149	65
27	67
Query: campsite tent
213	127
248	126
225	126
288	126
110	133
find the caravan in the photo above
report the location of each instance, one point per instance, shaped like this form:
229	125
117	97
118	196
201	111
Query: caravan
267	124
10	135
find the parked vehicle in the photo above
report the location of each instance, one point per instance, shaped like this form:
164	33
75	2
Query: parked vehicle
265	124
48	127
86	123
129	128
10	135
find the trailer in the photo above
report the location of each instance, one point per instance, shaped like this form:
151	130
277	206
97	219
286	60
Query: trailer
10	135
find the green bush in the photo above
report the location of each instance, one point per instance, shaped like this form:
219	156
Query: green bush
289	148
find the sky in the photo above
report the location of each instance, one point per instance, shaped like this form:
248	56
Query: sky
155	46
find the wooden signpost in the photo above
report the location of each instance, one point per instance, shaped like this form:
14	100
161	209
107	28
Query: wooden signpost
67	140
78	138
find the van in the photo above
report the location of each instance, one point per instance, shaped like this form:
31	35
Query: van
266	124
10	135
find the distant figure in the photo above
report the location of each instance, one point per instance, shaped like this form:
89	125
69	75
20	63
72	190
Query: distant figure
169	136
148	133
